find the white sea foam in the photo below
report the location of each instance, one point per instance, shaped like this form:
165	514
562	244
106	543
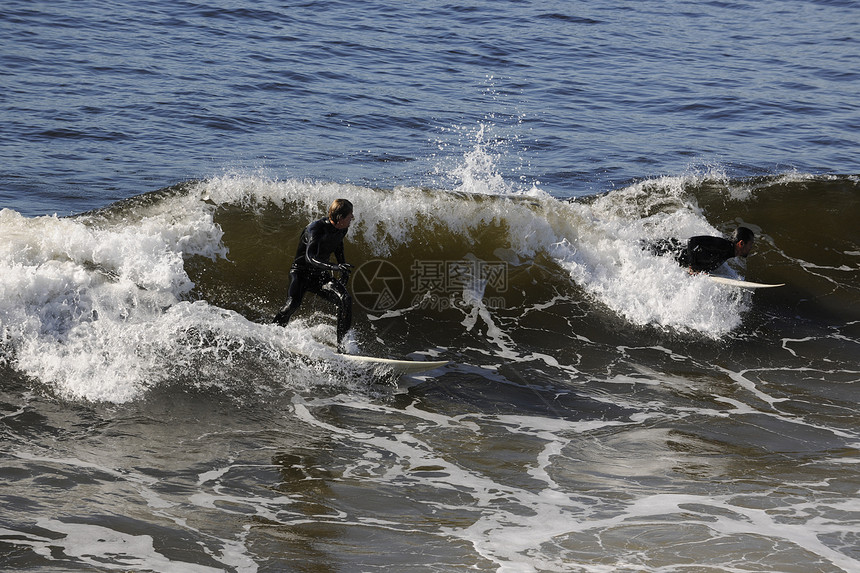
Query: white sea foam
94	310
95	306
536	524
91	544
73	297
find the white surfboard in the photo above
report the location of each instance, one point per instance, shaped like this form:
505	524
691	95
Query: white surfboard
400	367
742	284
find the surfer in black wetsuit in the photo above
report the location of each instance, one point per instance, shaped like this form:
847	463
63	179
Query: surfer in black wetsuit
312	271
704	253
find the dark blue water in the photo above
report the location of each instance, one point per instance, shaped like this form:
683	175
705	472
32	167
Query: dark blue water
602	410
102	101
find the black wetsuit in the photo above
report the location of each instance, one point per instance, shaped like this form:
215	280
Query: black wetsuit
312	271
701	253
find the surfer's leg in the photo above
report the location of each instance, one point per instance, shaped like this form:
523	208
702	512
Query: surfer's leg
335	292
294	299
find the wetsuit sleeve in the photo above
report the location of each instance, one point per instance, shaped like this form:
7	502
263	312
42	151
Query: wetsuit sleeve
338	254
312	253
707	253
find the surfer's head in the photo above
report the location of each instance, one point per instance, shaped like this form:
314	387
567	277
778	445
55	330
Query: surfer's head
340	213
743	240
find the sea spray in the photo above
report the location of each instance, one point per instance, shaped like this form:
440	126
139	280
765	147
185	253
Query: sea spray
92	304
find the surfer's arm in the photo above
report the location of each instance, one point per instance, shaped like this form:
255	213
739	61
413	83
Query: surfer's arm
344	267
706	253
338	254
312	254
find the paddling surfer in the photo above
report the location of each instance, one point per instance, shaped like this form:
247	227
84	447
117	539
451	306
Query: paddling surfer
704	253
312	270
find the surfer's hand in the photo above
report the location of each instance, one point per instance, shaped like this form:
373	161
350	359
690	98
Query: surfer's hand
345	270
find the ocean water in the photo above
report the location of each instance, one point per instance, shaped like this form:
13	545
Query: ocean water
602	410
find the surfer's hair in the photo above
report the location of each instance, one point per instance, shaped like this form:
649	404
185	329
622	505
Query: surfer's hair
339	209
742	234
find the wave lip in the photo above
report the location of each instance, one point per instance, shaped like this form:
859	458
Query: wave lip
88	296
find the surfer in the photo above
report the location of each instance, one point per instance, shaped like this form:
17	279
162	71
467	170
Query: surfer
704	253
312	270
